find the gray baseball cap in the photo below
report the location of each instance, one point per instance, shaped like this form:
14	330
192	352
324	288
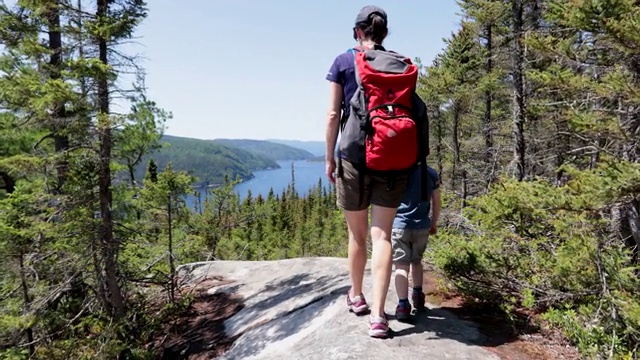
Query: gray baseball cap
364	16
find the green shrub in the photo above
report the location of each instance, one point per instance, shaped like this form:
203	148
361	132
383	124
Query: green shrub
554	250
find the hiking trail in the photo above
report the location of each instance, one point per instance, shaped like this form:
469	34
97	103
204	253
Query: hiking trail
295	308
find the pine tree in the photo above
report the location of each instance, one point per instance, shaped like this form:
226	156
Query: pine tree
140	131
165	197
489	18
456	75
519	109
570	69
152	171
51	115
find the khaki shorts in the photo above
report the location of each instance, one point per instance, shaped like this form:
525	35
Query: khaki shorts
409	245
375	190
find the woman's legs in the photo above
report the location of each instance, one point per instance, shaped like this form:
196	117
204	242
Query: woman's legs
357	222
381	223
348	191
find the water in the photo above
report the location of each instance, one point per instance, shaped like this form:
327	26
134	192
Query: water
306	173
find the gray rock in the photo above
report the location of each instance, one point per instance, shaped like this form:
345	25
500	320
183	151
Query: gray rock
295	309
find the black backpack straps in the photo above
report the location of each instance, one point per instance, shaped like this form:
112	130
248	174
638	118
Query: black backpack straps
343	116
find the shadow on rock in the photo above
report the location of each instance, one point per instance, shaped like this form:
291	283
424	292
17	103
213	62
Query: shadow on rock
480	329
292	307
493	323
442	325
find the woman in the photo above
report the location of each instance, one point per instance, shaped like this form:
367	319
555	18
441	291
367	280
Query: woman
354	195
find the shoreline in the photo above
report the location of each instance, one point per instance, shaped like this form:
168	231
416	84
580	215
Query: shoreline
216	185
283	164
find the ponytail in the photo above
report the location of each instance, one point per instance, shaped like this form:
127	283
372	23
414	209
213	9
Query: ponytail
375	29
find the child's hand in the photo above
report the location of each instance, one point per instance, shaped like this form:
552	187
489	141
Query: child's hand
433	230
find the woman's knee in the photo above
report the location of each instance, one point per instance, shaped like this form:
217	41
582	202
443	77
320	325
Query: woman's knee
359	238
381	223
379	234
358	224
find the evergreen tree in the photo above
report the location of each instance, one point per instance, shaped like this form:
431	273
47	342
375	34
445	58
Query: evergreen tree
164	200
57	157
569	68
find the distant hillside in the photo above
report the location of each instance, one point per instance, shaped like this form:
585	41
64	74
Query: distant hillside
208	160
317	148
273	150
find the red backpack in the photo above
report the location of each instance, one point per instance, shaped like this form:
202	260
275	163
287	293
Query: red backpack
387	132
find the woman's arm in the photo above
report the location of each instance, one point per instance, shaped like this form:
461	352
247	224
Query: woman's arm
333	125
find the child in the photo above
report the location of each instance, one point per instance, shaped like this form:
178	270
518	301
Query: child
409	237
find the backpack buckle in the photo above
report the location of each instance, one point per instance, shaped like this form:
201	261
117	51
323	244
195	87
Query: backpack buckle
390	111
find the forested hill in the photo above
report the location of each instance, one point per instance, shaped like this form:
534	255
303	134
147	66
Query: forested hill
267	148
317	148
209	160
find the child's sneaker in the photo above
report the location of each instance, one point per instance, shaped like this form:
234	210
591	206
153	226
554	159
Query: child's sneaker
378	326
418	300
357	305
403	311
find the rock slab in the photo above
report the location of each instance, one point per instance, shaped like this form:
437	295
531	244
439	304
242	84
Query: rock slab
295	309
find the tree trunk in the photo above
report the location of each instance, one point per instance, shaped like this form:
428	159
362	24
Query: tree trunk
534	14
109	244
519	112
465	188
633	219
456	145
626	227
488	98
562	141
60	138
595	157
630	122
98	272
132	176
439	136
83	80
26	303
172	266
132	181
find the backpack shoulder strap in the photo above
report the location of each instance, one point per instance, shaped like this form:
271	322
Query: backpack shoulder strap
356	49
343	117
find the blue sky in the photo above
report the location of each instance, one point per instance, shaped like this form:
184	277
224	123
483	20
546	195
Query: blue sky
256	68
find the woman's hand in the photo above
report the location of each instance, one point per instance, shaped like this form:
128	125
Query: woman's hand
331	170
